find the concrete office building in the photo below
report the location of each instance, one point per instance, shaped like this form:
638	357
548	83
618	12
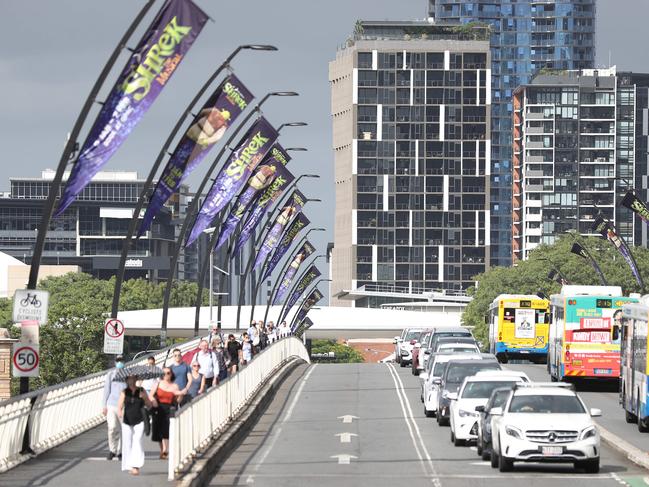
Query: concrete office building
580	141
91	232
527	35
410	106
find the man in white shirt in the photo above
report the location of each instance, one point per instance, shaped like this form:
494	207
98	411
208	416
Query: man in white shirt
253	334
283	330
208	362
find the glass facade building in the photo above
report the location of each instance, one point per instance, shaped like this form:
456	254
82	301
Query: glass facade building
410	106
527	35
580	142
91	232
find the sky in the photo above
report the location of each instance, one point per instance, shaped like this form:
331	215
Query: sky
52	52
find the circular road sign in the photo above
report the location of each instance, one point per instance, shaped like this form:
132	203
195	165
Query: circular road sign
26	359
114	328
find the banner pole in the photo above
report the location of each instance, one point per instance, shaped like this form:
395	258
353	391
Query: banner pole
69	149
119	278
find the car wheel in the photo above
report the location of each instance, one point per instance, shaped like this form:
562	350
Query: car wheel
590	466
494	459
479	447
452	437
643	427
486	453
415	371
458	442
443	421
427	413
630	417
504	463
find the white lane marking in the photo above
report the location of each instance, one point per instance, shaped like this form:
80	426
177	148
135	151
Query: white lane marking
278	431
617	478
343	458
348	418
346	437
415	436
481	464
98	459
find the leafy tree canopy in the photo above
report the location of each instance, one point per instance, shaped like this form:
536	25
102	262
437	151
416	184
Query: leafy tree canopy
343	353
531	276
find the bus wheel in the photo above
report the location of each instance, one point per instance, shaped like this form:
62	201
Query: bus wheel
502	358
643	425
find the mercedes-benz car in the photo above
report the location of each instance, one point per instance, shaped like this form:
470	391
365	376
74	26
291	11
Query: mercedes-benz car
545	423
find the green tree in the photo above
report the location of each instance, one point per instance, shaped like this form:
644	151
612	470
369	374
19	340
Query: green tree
531	276
71	343
343	353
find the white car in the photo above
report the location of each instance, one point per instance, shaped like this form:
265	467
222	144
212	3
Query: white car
476	391
545	422
458	348
434	369
407	343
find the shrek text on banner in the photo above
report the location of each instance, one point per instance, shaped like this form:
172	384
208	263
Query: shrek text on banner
300	256
252	148
208	127
147	71
289	236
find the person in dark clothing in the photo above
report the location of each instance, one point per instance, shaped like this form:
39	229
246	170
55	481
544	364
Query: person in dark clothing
233	348
131	401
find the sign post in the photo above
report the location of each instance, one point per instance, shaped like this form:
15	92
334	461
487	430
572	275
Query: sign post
113	336
31	305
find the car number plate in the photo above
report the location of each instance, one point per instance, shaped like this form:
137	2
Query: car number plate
551	450
603	371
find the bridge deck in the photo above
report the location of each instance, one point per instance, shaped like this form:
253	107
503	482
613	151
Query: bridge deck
82	461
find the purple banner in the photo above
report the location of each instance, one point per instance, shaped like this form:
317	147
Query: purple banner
607	230
305	251
275	234
217	115
261	205
268	172
287	240
309	303
308	278
250	151
146	73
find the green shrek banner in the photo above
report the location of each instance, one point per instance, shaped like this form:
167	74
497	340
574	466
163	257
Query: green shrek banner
148	70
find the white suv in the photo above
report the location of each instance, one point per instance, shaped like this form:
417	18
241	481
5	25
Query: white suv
476	391
545	423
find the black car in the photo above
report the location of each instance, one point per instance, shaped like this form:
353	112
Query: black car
454	374
497	400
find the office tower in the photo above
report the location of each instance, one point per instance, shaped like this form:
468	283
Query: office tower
580	141
527	35
410	106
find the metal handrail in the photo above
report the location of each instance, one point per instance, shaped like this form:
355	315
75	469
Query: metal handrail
57	413
199	423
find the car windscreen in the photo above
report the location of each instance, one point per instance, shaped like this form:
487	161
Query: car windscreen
438	369
546	404
450	334
483	389
500	399
412	335
457	349
458	372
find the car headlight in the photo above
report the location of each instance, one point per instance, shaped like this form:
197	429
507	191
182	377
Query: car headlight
589	432
464	414
514	432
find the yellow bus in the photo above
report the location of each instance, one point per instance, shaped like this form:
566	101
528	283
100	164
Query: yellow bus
518	327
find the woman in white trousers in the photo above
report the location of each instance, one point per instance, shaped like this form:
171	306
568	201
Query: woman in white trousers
130	405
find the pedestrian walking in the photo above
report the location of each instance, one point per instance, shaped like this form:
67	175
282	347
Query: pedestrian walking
112	391
263	336
234	354
196	384
217	348
164	397
246	350
181	370
216	332
209	365
272	334
131	402
253	334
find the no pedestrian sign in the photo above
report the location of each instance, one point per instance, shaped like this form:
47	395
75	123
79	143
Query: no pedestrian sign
113	337
25	360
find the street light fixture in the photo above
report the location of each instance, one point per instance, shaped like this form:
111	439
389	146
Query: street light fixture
292	124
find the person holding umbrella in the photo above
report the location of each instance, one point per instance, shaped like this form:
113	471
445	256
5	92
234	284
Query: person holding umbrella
131	402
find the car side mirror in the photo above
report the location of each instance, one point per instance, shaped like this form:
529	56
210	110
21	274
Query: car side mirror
496	411
395	341
437	382
452	396
595	413
480	409
427	352
423	375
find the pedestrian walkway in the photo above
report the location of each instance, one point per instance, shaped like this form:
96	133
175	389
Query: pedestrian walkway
82	462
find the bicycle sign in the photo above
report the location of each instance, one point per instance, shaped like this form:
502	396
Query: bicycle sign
31	305
113	336
25	360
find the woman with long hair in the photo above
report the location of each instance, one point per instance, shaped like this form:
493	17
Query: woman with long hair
131	401
164	396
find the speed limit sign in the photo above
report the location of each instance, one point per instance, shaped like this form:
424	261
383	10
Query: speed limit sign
25	360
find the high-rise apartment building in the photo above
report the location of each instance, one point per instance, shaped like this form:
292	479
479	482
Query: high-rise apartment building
580	141
527	35
410	105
